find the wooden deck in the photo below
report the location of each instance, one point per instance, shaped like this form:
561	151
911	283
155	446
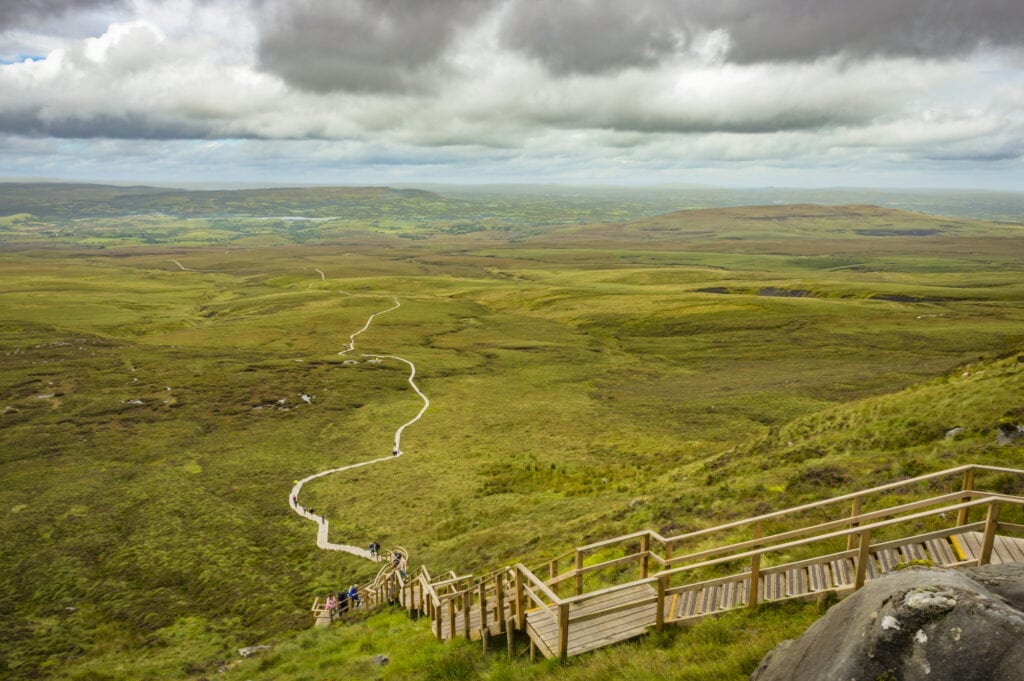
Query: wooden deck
596	622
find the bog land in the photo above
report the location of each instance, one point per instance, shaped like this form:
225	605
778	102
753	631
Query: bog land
593	368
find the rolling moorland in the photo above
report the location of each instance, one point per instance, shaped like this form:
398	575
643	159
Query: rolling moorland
593	368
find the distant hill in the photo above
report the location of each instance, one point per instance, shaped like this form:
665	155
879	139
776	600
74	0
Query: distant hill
74	201
789	221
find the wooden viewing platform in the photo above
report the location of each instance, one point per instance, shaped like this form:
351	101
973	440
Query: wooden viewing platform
958	517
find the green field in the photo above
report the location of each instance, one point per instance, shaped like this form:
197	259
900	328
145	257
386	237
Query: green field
586	380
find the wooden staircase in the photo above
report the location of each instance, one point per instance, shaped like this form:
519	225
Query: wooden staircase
953	518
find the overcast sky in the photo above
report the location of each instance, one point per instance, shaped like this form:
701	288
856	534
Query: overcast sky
911	93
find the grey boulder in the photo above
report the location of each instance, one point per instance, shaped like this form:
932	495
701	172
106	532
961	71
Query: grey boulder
917	624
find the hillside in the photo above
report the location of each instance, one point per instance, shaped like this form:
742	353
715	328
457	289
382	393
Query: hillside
867	443
582	385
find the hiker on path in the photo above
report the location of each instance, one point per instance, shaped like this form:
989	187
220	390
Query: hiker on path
342	602
353	596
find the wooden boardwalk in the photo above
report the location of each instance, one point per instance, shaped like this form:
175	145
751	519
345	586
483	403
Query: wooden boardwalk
832	546
811	581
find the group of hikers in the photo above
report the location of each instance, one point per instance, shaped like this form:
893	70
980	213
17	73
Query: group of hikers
398	561
342	602
346	601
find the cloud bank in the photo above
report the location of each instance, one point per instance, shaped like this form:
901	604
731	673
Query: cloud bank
574	89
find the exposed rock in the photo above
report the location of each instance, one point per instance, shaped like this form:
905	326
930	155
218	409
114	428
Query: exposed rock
953	432
249	651
1008	433
380	660
915	624
1006	580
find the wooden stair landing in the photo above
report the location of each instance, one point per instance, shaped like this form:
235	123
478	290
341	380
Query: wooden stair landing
600	629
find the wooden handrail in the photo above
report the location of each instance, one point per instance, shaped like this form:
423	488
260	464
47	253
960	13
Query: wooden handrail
614	540
849	520
843	533
537	582
839	499
609	563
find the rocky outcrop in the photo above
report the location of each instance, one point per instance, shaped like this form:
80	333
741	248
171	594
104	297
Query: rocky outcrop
1008	433
916	624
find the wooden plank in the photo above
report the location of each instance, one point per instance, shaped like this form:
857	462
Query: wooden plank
842	571
745	589
940	551
730	595
1006	550
819	577
970	542
775	585
887	559
614	609
708	600
796	582
539	641
871	568
687	604
910	552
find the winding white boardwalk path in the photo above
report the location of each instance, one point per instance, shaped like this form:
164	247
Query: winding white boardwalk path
323	526
323	530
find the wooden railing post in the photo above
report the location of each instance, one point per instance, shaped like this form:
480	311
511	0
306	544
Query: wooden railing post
668	550
863	556
991	524
436	617
467	601
659	620
579	574
451	618
962	516
483	608
563	631
553	568
499	594
645	550
510	638
755	572
854	512
520	595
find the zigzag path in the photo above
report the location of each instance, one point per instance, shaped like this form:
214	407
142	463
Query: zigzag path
323	524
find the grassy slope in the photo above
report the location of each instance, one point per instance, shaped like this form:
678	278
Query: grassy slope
571	378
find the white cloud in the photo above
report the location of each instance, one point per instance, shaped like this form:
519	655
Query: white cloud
190	70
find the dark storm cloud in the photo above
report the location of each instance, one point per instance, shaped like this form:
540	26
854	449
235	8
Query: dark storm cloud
802	30
29	13
359	45
387	45
593	36
102	126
